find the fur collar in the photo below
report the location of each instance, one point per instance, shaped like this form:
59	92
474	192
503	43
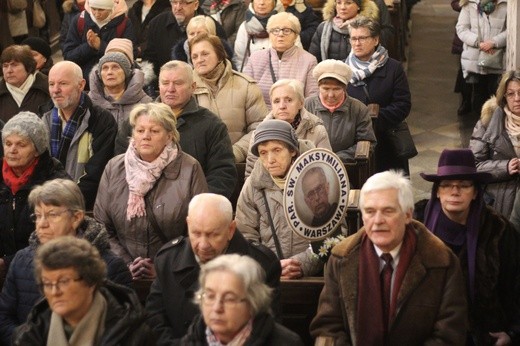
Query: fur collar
369	9
488	109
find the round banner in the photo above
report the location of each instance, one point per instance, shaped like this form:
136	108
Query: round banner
316	194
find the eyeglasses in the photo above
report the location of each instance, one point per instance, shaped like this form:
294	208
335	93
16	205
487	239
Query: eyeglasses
51	216
318	191
462	186
60	284
360	39
512	94
344	3
284	31
181	3
228	300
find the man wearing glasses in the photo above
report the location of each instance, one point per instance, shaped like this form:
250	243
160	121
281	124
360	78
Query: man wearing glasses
316	194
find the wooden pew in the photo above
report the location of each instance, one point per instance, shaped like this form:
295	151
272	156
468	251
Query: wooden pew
362	167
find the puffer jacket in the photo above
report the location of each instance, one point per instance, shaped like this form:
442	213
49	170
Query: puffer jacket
492	27
295	63
182	179
349	124
310	128
238	103
492	147
253	221
124	321
133	94
37	96
21	292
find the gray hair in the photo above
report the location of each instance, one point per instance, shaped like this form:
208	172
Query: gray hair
288	17
158	112
204	21
295	85
363	22
219	202
59	193
250	273
71	252
177	64
390	180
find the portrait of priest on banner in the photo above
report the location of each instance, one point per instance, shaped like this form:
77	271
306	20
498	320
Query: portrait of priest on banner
320	196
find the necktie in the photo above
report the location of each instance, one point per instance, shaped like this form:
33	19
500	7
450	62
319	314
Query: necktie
386	287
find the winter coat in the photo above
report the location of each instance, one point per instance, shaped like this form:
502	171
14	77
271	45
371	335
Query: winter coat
492	27
253	221
141	26
37	96
16	225
21	292
124	321
179	182
133	95
205	137
91	148
295	63
170	304
70	10
310	128
230	17
493	149
388	87
431	305
238	103
76	48
309	21
266	331
349	124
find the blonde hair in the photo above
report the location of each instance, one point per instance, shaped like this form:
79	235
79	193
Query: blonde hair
158	112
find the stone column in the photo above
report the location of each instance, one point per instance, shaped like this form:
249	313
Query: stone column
513	37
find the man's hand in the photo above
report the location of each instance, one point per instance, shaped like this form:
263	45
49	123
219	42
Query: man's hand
291	269
502	338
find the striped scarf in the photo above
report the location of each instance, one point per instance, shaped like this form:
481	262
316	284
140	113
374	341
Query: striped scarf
362	70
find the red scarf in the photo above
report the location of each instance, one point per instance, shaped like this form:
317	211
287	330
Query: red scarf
14	182
370	326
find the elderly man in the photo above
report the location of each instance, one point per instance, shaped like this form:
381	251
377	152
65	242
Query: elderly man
400	284
316	194
485	243
211	232
203	135
82	134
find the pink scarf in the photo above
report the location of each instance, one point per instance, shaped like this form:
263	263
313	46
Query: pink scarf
141	176
332	108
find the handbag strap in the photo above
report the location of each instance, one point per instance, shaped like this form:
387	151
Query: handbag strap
273	231
273	77
365	89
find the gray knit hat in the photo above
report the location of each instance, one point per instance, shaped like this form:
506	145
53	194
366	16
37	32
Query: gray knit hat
275	130
28	124
119	58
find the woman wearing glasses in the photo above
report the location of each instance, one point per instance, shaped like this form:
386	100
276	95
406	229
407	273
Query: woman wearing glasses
495	142
284	59
235	304
80	306
59	210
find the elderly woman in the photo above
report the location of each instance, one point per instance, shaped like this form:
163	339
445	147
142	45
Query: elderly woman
143	195
22	87
80	307
495	142
379	79
260	205
59	210
232	96
26	162
235	306
284	59
115	84
287	104
346	119
41	52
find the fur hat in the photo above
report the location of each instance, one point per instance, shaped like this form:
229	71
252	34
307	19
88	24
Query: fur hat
102	4
119	58
275	130
38	45
122	45
331	68
28	124
457	164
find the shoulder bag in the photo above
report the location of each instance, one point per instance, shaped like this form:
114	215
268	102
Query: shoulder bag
39	19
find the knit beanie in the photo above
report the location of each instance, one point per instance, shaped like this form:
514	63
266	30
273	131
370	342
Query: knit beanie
38	45
275	130
119	58
29	125
122	45
101	4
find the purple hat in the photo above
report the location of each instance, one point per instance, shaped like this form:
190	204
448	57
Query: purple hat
457	164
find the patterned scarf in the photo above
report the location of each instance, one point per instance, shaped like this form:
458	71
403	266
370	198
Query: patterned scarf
60	140
239	339
513	128
142	175
12	180
363	69
338	26
487	6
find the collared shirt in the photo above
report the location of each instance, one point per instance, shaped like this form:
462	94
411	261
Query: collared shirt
395	252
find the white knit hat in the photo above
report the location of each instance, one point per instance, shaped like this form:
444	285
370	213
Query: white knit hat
29	125
102	4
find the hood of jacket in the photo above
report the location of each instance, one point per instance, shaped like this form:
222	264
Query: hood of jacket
369	9
488	109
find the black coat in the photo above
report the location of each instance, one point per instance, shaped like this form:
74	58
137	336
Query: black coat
16	225
141	27
124	321
170	304
266	332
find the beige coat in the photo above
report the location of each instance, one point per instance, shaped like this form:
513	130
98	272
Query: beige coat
238	103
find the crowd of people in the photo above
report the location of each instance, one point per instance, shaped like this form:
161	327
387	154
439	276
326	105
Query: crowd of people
120	164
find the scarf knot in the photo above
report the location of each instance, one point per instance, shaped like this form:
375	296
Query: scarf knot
362	70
